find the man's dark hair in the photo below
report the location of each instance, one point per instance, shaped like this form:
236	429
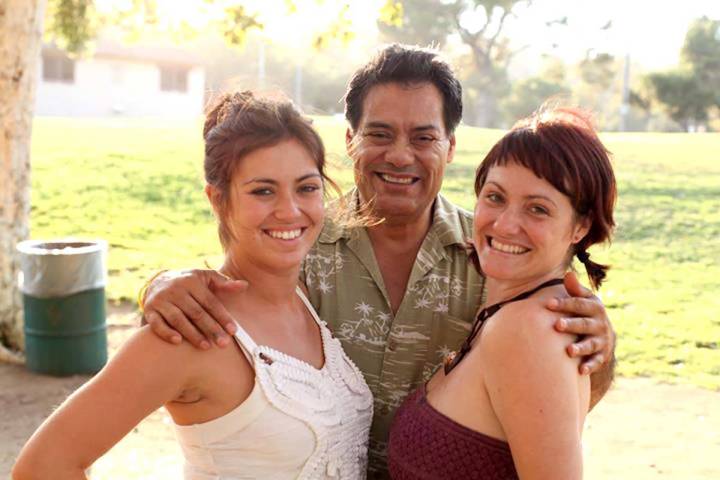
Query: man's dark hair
407	65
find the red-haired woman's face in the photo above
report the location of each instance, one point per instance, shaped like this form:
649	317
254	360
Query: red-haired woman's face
523	227
276	206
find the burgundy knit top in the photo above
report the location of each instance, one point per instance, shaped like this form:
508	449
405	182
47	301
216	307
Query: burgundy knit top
425	444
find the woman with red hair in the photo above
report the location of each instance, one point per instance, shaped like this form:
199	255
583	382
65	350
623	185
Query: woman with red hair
510	404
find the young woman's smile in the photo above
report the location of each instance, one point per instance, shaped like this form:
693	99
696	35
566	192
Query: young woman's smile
524	228
276	209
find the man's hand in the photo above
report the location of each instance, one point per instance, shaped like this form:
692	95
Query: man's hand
182	305
587	318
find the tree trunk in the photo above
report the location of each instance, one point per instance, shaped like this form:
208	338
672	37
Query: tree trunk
21	24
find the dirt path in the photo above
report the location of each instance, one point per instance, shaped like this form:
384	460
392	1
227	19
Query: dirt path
641	430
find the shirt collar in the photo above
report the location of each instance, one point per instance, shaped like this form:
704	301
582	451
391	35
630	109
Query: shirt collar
446	226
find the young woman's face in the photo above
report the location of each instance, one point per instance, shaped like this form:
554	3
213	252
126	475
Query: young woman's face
523	227
276	206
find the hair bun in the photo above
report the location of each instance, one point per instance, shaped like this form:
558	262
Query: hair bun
222	106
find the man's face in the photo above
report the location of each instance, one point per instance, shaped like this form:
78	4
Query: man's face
400	150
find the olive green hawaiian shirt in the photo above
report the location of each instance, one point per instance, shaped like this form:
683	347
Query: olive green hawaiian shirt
396	353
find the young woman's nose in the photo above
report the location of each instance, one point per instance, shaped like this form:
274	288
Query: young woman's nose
287	207
507	221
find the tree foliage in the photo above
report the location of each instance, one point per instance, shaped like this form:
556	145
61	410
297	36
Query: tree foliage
480	26
691	92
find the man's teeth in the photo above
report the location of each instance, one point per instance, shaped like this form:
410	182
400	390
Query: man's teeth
285	234
504	247
391	179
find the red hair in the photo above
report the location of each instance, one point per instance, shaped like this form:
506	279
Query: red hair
561	146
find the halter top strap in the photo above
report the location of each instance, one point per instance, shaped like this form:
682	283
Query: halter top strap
248	345
455	357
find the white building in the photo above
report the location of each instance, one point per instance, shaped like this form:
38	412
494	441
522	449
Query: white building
121	80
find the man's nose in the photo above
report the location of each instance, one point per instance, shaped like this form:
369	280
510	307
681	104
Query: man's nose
400	153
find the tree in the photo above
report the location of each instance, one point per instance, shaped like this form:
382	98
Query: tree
701	51
529	94
73	24
690	92
684	97
20	34
431	21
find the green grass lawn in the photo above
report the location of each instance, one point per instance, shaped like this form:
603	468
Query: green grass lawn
138	184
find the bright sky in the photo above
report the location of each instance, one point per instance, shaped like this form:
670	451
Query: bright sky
651	31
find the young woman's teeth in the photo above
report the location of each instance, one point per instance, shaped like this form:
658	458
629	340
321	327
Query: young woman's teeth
285	234
391	179
504	247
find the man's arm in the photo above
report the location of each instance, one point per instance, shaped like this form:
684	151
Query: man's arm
587	318
182	304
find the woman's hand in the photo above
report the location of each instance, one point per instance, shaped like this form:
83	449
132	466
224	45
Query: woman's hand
182	304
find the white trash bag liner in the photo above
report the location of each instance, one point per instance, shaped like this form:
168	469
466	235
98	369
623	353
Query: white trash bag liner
61	268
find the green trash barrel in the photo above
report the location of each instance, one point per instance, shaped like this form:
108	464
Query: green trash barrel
63	287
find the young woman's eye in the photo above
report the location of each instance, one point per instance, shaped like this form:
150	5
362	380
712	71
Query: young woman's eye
493	197
539	210
261	192
310	188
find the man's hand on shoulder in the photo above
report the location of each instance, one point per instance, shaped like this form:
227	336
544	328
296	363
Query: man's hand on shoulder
183	304
585	316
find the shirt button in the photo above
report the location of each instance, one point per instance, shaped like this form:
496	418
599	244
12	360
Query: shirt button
392	345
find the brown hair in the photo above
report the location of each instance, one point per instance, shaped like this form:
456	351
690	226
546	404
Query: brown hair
407	65
237	124
561	146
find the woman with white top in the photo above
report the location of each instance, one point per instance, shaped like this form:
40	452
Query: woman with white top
286	402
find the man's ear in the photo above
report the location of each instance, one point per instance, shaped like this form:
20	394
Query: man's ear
451	149
348	140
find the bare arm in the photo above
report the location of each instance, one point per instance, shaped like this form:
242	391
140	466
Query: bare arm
141	377
587	318
536	393
182	304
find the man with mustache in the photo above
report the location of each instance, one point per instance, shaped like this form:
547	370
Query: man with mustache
400	294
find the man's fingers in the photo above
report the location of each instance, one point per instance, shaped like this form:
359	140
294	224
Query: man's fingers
592	364
215	311
574	287
203	320
576	306
580	325
177	320
161	329
586	347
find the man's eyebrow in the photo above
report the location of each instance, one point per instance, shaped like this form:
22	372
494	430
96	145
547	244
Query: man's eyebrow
378	124
419	128
422	128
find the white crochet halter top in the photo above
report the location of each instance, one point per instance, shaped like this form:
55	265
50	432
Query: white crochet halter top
298	421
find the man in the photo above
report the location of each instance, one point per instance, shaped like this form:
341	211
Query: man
400	294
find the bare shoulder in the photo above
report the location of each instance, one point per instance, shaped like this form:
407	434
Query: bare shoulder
147	354
525	330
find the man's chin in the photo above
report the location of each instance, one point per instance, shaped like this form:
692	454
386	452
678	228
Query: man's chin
396	209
